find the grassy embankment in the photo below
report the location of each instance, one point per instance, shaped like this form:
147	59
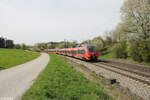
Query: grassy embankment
13	57
110	55
60	81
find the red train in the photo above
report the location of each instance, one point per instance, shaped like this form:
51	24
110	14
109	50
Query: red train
83	52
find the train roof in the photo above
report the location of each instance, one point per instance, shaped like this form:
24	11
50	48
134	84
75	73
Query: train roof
79	47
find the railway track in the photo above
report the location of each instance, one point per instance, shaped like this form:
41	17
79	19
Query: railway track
132	74
136	79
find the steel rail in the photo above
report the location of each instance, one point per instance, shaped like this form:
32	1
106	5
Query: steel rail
129	76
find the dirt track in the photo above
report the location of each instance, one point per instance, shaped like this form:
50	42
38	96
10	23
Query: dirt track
16	80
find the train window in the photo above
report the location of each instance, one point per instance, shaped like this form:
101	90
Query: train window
82	51
78	51
91	48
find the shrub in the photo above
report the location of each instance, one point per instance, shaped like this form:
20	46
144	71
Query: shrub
145	50
139	50
17	46
134	51
121	50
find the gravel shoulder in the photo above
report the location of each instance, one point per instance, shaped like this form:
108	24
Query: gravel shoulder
16	80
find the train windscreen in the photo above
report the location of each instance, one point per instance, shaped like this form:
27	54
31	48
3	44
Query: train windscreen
91	48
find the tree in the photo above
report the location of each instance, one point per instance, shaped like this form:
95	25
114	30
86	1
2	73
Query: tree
23	46
2	42
86	42
73	44
120	32
99	43
136	17
9	44
135	27
108	40
111	35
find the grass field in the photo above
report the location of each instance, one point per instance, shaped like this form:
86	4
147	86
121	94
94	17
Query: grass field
110	55
13	57
60	81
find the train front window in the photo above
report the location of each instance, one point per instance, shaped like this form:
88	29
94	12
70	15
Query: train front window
91	48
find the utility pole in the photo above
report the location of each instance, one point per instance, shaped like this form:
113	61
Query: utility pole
65	45
65	42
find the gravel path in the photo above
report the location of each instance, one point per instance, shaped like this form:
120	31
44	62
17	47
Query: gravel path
16	80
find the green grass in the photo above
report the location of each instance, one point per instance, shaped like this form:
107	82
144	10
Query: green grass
13	57
60	81
109	55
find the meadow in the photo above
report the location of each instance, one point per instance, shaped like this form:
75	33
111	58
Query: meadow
60	81
13	57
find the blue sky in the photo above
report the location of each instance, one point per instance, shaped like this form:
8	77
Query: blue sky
33	21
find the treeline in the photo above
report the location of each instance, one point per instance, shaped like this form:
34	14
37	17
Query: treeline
21	46
54	45
134	31
6	43
131	38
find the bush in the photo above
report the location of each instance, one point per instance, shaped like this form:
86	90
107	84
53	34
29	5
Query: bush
139	50
145	50
121	50
17	46
134	51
